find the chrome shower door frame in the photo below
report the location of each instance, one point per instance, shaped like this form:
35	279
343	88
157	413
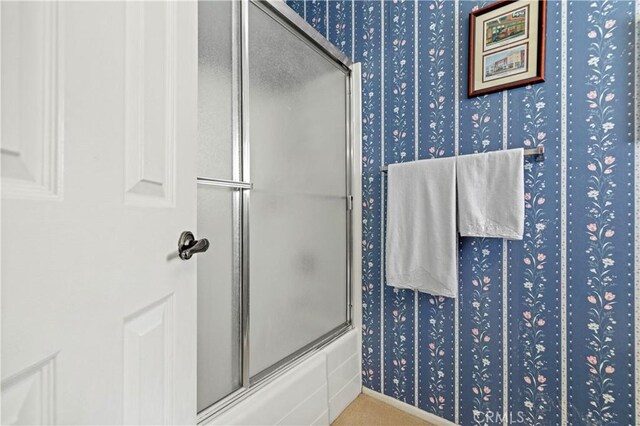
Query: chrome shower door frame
241	182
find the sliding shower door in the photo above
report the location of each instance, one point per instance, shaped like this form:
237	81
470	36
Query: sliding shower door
298	132
219	208
273	195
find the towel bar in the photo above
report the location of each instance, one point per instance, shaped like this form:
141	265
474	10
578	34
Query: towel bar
537	152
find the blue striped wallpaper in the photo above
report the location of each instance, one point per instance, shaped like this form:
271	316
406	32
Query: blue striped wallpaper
543	331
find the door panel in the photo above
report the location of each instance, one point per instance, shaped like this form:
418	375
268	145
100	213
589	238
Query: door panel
219	208
298	127
150	104
99	139
218	85
219	335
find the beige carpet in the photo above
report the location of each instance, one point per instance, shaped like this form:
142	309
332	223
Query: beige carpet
368	411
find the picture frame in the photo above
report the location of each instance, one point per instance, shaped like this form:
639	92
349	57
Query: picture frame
506	46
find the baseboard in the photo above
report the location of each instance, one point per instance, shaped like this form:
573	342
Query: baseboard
409	409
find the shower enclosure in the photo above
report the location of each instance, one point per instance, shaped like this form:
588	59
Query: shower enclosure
274	195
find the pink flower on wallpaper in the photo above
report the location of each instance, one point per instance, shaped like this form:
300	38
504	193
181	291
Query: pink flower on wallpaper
527	379
609	369
592	360
527	196
592	299
474	282
486	389
541	378
527	142
432	346
432	150
592	34
541	257
475	117
541	200
608	160
527	261
527	314
610	23
475	390
441	99
592	227
395	313
609	233
592	94
609	97
486	338
540	322
487	119
441	353
608	296
541	135
592	167
432	51
474	331
486	280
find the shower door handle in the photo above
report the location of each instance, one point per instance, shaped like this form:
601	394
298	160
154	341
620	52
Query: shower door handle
188	245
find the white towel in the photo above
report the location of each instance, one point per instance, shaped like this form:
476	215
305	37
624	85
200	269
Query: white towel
491	194
421	226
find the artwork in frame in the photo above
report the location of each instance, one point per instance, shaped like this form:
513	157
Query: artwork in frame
506	45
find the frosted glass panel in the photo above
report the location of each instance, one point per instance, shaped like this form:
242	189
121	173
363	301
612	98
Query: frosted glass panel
298	209
219	354
216	76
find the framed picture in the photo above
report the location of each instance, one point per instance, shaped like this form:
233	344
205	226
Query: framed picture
506	45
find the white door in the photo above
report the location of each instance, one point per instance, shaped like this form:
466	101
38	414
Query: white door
99	142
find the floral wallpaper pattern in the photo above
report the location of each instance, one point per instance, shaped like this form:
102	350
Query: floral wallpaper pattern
367	47
545	326
399	137
601	282
480	267
600	211
435	139
535	288
436	80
